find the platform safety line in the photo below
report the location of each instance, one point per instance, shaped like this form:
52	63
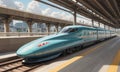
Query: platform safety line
63	65
114	66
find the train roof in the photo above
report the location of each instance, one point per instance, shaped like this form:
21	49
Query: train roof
86	27
78	26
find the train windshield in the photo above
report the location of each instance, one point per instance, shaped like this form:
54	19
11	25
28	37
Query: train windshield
68	30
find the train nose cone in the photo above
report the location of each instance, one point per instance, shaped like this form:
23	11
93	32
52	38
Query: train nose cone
23	53
26	50
20	54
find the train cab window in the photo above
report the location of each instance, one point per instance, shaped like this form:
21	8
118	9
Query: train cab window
69	30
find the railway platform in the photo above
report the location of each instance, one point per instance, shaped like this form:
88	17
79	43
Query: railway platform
102	57
7	56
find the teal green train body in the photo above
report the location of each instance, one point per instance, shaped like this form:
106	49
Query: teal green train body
52	46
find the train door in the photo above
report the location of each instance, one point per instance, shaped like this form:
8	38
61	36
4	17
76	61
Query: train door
90	35
97	34
87	38
94	35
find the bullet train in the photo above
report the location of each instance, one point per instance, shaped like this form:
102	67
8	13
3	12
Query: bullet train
66	40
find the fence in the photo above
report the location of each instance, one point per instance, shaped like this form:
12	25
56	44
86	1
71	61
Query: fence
8	34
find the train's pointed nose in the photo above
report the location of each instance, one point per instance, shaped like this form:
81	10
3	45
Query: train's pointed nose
23	53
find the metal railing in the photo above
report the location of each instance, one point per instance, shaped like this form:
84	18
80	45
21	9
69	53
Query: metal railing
9	34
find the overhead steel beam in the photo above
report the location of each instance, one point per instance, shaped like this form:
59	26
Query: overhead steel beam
95	8
103	9
110	7
102	13
53	6
113	11
117	8
92	23
91	8
75	21
80	10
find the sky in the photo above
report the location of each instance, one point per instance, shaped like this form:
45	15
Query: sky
40	9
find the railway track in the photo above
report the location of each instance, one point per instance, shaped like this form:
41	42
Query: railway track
16	66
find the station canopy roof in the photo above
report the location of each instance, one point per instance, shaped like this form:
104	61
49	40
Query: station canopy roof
103	11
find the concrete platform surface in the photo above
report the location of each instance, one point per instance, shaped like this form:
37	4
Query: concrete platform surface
7	56
102	57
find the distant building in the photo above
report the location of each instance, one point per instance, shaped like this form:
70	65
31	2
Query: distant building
21	27
1	27
36	28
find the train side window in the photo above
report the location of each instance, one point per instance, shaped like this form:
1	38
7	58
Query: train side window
87	32
90	33
83	32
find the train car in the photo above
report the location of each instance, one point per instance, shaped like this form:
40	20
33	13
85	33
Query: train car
66	40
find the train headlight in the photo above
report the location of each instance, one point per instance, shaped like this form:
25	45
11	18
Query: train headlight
42	44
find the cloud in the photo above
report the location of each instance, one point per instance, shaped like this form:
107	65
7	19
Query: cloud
47	12
63	15
19	5
56	15
34	7
8	3
12	4
2	4
69	17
